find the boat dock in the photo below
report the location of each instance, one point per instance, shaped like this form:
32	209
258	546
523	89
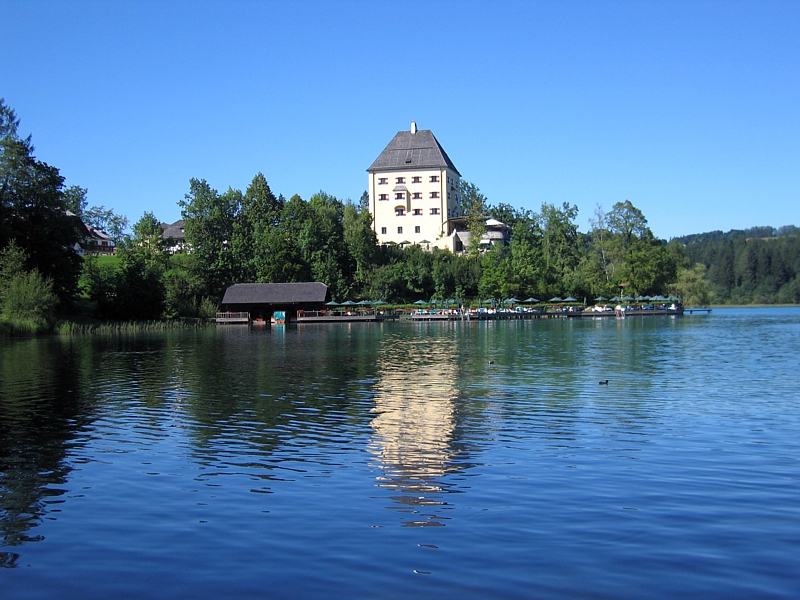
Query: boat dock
372	316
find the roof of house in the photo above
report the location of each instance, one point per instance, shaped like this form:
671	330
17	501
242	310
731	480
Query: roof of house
276	293
174	231
409	150
98	235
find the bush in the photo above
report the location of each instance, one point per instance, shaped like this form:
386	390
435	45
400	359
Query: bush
208	309
30	298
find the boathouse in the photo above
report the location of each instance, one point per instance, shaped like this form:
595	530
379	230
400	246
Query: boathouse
256	302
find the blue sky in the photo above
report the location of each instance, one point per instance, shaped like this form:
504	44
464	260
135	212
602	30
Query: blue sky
690	110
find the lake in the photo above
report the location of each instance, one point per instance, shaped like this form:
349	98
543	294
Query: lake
396	460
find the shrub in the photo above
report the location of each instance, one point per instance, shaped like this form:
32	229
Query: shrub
30	297
208	309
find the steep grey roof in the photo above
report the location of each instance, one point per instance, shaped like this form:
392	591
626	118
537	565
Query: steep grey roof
276	293
174	231
408	150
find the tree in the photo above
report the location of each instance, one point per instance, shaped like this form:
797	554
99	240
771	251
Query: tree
526	270
33	210
650	267
107	221
475	210
147	235
75	197
29	296
322	244
603	258
254	231
560	245
494	274
692	286
627	221
210	218
360	240
12	263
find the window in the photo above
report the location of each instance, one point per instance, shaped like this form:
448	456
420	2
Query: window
417	195
434	194
434	179
399	211
416	180
400	180
383	197
417	212
416	229
434	211
399	230
400	196
383	180
383	230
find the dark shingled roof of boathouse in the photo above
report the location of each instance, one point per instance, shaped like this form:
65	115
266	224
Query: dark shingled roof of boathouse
276	293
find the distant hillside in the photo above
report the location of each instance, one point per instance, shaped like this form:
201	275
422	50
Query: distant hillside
751	233
756	265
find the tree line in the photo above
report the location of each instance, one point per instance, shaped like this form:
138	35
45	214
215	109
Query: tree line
257	236
758	265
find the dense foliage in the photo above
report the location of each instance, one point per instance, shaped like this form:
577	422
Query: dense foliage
758	265
256	236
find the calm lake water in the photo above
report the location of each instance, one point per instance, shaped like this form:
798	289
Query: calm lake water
397	461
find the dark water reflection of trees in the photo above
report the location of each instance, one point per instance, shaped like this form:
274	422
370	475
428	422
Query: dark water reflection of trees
42	413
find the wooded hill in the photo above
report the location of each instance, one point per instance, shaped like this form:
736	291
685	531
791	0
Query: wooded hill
757	265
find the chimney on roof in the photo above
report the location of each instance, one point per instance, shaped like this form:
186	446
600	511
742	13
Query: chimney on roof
413	127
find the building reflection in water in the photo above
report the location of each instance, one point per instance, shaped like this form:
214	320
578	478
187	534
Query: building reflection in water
415	426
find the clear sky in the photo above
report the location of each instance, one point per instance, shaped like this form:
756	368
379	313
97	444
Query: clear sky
690	110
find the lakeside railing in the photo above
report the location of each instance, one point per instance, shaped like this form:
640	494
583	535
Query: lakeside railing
231	316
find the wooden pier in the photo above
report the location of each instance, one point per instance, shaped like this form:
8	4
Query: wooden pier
663	312
232	317
372	316
365	317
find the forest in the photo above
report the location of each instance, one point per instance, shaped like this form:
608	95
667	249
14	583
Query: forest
257	236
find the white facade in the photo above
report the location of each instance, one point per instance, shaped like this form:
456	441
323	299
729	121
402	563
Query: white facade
413	191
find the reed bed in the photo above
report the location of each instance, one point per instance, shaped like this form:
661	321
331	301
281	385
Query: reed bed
111	327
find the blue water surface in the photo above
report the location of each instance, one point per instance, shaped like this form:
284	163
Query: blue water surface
459	460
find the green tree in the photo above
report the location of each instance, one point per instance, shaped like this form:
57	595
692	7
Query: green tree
627	221
107	221
29	296
321	243
475	210
33	210
75	198
360	241
254	231
210	218
692	286
560	246
495	278
147	236
12	263
527	265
